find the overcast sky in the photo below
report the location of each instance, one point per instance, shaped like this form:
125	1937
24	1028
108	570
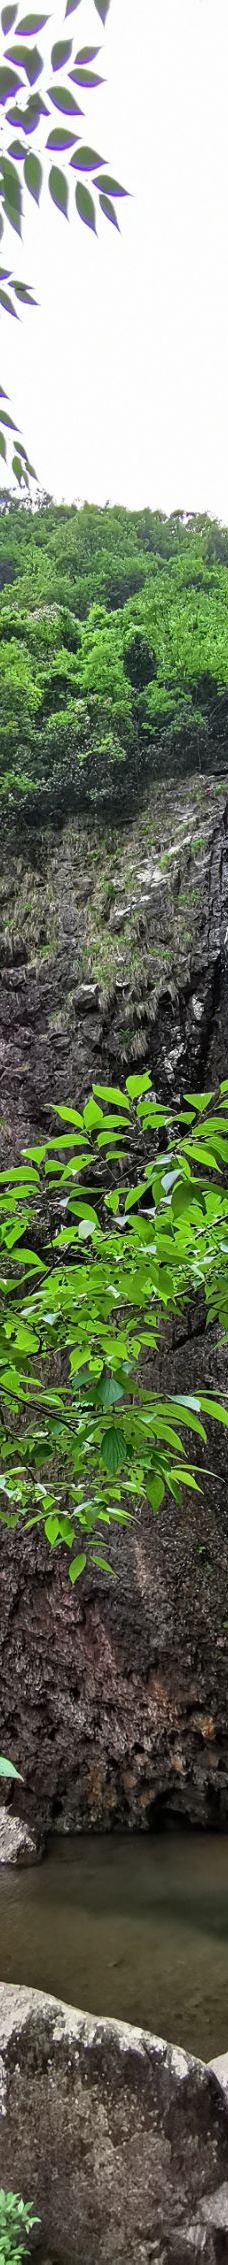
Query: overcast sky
120	379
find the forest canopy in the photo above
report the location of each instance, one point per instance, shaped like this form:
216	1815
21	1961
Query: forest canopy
113	653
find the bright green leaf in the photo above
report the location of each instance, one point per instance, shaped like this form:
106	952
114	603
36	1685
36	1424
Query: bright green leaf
77	1566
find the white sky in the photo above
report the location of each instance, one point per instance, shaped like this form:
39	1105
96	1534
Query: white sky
120	379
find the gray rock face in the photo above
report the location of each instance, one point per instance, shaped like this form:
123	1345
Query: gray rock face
113	1702
17	1845
121	2140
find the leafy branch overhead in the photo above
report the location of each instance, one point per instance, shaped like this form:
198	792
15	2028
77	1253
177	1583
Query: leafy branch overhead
85	1437
41	103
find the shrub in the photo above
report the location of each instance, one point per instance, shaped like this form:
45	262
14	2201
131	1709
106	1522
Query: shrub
16	2221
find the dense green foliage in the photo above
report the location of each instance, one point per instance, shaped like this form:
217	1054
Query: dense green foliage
16	2222
84	1437
113	653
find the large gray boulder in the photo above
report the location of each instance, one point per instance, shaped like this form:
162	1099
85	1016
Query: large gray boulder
121	2139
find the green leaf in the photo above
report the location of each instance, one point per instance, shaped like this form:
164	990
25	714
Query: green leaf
200	1100
7	303
16	148
109	210
113	1450
60	138
83	78
92	1115
7	1769
69	1116
213	1408
60	53
108	1391
85	206
137	1085
70	8
200	1154
8	19
155	1491
2	445
103	1563
87	55
112	189
51	1529
9	81
63	99
11	189
77	1566
30	24
102	7
59	189
33	175
29	60
112	1093
84	161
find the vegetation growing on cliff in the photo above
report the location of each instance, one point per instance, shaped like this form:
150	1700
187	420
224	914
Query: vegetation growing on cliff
96	1439
113	653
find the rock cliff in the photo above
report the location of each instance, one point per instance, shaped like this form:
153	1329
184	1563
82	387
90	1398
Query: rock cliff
114	951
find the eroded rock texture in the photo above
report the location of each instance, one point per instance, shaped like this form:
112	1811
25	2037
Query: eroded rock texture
121	2139
114	951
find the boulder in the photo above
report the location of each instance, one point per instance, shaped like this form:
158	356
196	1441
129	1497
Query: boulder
121	2139
17	1844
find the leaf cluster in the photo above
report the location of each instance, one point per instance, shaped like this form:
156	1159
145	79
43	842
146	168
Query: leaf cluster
84	1437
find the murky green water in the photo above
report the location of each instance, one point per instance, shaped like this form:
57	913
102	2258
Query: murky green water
133	1927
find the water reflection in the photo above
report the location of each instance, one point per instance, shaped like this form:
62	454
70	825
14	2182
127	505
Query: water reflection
133	1927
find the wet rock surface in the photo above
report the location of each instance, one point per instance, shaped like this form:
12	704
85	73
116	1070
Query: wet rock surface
115	1701
121	2139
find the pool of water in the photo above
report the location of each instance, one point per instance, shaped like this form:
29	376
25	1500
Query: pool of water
131	1927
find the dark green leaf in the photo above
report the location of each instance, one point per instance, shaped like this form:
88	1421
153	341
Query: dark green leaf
2	445
22	292
60	138
102	7
30	61
8	19
33	175
109	210
60	53
63	99
16	149
30	24
103	1563
59	189
113	1450
87	54
6	420
155	1491
113	189
9	81
83	78
7	303
85	206
85	161
108	1392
